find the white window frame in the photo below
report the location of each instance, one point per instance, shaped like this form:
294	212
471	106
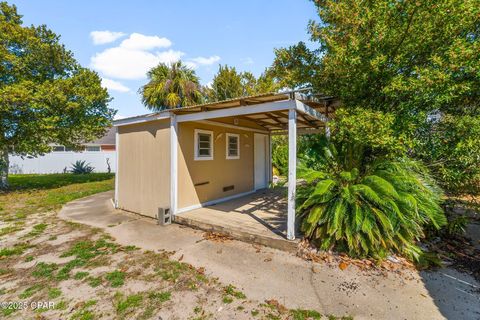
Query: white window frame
227	147
197	157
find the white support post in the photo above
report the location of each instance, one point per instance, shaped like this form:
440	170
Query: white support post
117	147
270	164
327	130
292	171
173	164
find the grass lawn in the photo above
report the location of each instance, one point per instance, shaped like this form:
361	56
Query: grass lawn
87	275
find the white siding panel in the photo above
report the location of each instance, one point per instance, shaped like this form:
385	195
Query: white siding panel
56	162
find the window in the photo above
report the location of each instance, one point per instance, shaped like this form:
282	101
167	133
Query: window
58	148
203	145
92	148
233	146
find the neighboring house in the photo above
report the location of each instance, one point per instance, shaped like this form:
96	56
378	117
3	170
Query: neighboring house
185	158
100	154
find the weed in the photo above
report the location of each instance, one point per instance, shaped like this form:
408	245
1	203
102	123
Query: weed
94	282
37	230
44	270
54	293
300	314
62	305
116	278
29	258
231	290
254	312
30	291
227	299
17	249
160	296
9	229
124	306
51	238
5	271
80	275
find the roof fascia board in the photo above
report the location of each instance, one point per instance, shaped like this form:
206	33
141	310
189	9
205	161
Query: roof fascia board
303	108
237	111
128	121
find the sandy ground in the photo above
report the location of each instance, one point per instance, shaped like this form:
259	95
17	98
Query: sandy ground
264	273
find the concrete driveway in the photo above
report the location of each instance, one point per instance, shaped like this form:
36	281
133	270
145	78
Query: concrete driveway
265	273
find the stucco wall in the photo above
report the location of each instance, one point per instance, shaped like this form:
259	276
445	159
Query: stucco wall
217	173
144	167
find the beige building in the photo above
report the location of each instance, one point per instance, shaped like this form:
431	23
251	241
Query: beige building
186	158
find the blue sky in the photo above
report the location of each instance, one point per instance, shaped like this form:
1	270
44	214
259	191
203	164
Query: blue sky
123	39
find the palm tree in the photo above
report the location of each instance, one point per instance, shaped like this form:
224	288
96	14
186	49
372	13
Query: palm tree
171	86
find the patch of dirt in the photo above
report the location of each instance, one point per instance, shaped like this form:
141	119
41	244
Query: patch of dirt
393	263
216	237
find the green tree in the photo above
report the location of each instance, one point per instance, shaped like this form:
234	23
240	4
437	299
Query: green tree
45	95
171	86
226	84
405	58
230	84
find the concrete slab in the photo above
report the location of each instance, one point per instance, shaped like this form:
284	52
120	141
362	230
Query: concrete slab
272	274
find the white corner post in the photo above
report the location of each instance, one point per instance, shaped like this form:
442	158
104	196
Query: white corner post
173	164
292	171
117	147
327	130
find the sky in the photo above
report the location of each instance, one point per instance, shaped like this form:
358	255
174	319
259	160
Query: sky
122	40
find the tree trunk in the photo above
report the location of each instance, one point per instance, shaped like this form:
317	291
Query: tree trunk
4	168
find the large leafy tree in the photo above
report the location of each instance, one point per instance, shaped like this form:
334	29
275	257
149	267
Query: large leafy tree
45	95
405	58
228	83
171	86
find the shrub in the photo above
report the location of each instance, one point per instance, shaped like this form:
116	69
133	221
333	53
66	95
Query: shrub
81	167
368	207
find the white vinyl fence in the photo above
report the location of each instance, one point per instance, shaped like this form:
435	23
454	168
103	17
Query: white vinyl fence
58	162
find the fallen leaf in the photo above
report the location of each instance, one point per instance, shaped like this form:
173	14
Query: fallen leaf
343	265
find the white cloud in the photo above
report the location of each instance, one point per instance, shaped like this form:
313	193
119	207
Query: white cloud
102	37
205	61
114	85
138	41
136	55
123	63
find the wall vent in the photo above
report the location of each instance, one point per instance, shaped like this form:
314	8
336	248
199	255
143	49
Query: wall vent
228	188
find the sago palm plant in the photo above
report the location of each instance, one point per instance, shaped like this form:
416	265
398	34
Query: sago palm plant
368	208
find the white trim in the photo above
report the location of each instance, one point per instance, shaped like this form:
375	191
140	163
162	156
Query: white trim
303	108
196	156
117	169
141	119
212	202
270	164
292	172
227	147
244	110
173	164
227	125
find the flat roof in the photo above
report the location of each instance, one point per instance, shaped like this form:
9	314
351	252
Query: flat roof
326	105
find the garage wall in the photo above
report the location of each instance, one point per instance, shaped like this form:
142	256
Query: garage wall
144	167
213	175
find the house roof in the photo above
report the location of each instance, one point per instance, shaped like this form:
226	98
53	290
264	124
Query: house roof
107	139
272	121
